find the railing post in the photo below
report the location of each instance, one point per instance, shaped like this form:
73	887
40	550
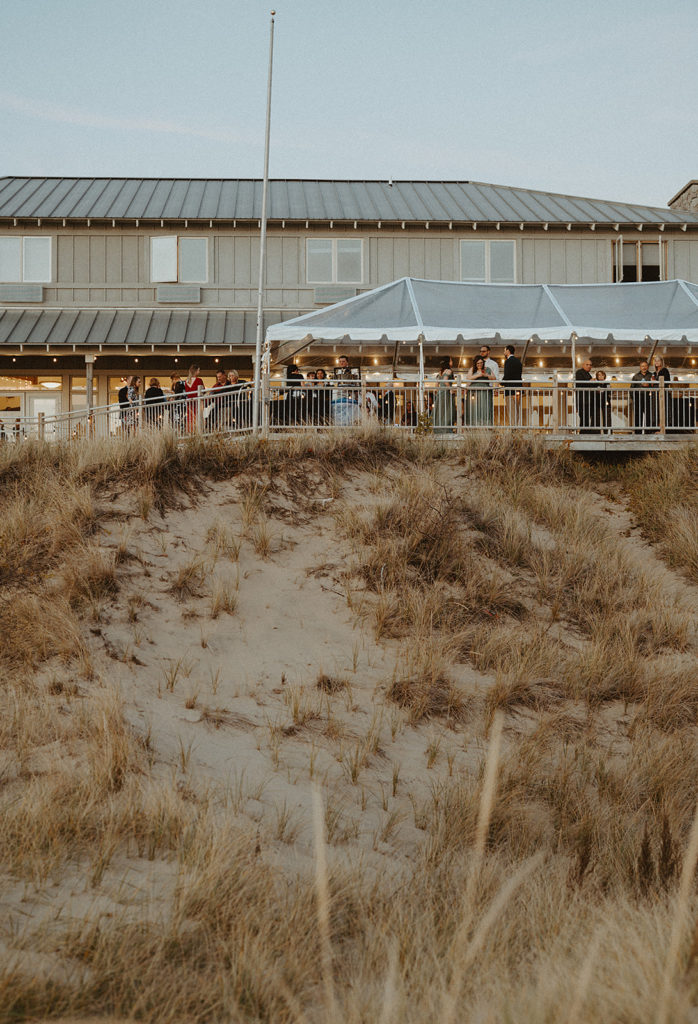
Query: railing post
459	405
141	406
364	410
556	404
41	425
662	406
200	410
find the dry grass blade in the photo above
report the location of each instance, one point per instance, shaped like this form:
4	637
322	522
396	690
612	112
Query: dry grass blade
323	906
680	924
487	799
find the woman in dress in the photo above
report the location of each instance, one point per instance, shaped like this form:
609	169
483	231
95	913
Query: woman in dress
133	404
445	402
601	404
479	404
191	387
321	397
177	402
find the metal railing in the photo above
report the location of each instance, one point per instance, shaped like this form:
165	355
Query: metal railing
446	409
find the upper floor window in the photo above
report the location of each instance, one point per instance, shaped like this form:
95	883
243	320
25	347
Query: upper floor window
25	258
334	260
176	258
488	261
637	261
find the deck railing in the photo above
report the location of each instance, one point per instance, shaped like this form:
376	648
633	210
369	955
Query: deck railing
446	409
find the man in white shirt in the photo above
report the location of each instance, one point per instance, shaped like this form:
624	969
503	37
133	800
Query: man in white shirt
490	363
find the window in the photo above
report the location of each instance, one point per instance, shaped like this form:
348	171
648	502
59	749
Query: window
178	259
25	259
334	261
488	262
637	261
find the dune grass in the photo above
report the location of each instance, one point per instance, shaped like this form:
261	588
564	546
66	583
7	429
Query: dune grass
552	876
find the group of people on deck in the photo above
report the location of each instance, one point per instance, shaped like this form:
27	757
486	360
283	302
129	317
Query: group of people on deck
593	400
224	405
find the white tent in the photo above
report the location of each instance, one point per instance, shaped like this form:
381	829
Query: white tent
444	312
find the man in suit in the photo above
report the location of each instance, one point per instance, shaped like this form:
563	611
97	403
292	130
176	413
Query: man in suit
512	373
584	382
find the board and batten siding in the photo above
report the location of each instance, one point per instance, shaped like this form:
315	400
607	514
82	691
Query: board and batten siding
98	266
684	264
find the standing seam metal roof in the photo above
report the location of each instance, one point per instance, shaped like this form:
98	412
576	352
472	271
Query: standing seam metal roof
241	199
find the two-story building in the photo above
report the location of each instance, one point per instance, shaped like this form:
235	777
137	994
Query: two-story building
148	275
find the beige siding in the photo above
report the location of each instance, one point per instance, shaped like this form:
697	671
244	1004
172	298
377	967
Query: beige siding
110	265
685	259
577	259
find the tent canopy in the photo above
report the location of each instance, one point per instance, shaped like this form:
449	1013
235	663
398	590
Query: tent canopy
442	312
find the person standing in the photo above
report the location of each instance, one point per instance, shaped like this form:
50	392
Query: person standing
643	400
154	398
445	402
512	374
191	388
583	396
219	417
177	402
601	405
491	364
661	373
480	405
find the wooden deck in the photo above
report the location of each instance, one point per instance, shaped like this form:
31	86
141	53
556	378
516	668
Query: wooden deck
621	442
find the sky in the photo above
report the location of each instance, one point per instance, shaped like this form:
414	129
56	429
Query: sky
595	99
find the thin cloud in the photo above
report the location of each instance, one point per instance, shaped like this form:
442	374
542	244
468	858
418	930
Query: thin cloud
85	119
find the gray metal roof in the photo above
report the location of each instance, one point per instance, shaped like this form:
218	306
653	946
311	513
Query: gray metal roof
133	327
295	200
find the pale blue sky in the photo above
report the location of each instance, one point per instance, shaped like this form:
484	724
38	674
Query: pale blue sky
595	99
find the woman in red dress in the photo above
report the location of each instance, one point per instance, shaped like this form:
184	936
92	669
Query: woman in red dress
191	386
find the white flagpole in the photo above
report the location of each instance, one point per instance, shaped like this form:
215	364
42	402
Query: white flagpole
262	244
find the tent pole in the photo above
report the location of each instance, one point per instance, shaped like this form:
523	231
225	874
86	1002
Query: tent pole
654	349
262	244
395	357
421	375
573	341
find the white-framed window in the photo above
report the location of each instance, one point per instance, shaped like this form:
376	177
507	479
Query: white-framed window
638	261
334	260
179	258
488	261
25	258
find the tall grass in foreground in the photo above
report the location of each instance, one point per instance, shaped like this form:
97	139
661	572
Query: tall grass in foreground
552	880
